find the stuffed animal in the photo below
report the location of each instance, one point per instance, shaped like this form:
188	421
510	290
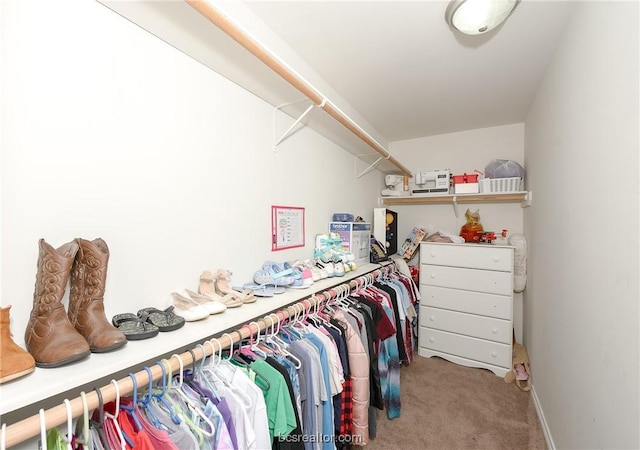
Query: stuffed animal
521	372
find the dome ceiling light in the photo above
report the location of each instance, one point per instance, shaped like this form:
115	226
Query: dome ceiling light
475	17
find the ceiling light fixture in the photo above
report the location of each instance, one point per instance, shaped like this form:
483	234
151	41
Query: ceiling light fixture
478	16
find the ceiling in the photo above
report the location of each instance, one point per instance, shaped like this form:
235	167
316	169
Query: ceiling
404	70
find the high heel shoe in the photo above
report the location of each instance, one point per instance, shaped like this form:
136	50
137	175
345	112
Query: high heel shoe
223	276
208	289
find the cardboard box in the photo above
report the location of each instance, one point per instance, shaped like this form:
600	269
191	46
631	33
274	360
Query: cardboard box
356	238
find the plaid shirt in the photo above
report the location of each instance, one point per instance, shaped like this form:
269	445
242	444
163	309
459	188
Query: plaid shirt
346	414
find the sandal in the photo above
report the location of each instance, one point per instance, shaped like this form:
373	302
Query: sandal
208	289
262	290
222	285
134	327
165	320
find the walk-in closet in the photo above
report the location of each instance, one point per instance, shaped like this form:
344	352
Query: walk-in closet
170	277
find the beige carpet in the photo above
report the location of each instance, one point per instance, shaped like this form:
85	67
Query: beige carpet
447	406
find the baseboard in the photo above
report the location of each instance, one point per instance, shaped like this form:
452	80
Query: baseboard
543	422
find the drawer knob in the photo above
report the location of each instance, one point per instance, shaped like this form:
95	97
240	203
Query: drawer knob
496	259
432	340
433	254
432	318
494	354
494	330
433	275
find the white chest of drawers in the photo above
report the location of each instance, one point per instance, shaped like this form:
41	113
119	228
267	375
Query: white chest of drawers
466	311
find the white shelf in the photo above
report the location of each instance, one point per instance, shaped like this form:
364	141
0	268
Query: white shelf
43	384
524	197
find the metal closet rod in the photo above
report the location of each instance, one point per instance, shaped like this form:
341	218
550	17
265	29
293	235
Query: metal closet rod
238	35
30	427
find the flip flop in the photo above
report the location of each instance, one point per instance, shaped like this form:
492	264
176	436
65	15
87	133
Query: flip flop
134	327
262	290
165	320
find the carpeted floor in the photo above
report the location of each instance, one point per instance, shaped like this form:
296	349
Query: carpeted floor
447	406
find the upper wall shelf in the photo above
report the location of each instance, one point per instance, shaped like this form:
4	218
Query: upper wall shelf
206	34
507	197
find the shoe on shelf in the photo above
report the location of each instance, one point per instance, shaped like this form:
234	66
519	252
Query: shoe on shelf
209	289
223	277
213	306
187	308
339	269
15	362
274	275
136	327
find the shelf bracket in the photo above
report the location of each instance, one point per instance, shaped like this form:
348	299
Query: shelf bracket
295	123
528	198
369	168
454	202
372	165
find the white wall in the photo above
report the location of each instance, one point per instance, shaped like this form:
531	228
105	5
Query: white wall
461	152
109	132
581	302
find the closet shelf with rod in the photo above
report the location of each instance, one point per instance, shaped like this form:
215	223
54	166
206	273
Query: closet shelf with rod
252	323
214	36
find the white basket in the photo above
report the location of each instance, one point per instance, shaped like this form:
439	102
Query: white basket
500	184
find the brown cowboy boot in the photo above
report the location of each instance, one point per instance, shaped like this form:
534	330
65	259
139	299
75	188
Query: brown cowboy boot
49	336
15	362
86	306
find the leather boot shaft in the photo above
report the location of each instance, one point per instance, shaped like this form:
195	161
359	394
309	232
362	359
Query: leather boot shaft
50	337
15	362
86	297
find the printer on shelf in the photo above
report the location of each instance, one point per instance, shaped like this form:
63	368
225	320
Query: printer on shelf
431	182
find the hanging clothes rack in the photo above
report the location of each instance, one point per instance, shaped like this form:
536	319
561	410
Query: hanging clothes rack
236	33
33	426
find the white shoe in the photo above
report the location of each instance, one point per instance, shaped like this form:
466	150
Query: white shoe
212	306
187	308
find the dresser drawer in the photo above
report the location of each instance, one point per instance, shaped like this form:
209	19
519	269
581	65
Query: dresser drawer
464	346
491	305
475	326
468	279
472	256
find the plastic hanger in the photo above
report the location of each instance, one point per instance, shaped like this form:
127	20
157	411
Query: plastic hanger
43	430
114	418
204	375
272	338
83	438
237	357
190	402
69	436
191	380
147	402
132	410
254	346
178	409
211	369
159	397
98	426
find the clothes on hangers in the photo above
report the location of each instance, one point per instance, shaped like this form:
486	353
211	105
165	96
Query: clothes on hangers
317	388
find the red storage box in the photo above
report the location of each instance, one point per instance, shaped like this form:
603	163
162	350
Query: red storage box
465	184
465	178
